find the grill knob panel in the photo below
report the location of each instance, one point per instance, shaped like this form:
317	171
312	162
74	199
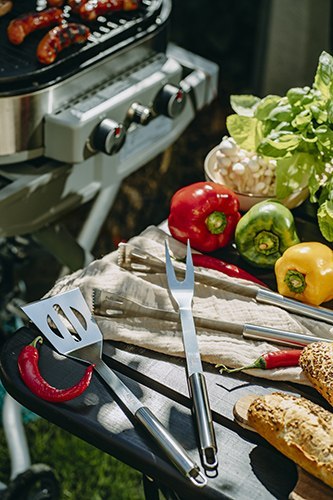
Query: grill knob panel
109	136
170	101
138	113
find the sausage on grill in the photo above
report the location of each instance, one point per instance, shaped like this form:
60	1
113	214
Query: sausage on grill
5	7
20	27
60	38
75	5
55	3
91	9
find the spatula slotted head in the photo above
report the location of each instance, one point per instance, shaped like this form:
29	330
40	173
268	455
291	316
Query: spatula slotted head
65	320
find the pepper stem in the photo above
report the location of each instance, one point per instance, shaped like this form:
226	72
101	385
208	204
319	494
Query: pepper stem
216	222
266	242
36	340
295	281
258	363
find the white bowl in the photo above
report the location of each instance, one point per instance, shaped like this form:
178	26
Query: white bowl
247	200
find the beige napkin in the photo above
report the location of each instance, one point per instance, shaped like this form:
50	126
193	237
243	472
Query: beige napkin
134	306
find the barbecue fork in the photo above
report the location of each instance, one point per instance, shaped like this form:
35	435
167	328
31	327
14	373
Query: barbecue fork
182	292
82	339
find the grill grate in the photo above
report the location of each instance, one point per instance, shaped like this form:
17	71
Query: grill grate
19	64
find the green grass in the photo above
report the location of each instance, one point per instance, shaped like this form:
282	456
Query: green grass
83	471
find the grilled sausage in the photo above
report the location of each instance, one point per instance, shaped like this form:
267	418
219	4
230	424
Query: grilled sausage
20	27
75	5
91	9
55	3
58	39
5	7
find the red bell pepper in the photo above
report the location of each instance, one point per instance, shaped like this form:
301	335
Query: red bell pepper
206	213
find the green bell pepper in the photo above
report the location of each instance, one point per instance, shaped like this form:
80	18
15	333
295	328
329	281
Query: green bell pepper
265	232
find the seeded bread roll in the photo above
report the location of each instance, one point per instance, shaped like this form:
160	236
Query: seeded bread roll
316	362
300	429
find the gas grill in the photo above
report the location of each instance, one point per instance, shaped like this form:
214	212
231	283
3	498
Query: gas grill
73	130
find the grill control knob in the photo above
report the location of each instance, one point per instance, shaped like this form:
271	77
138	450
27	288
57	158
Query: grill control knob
109	136
138	113
170	101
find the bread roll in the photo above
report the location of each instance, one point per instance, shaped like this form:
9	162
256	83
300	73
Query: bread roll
300	429
317	363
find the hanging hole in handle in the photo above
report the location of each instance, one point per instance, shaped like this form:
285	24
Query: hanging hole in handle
209	458
197	478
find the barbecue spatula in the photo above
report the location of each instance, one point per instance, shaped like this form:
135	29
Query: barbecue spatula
67	323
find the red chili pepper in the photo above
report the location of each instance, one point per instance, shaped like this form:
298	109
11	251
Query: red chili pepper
275	359
29	371
206	213
229	269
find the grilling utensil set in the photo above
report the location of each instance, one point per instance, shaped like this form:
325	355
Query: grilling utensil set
87	342
67	323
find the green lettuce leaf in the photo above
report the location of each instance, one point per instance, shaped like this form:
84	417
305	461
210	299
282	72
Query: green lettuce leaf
319	113
266	106
325	219
324	75
325	139
293	173
317	191
329	109
326	191
296	94
303	119
244	105
245	130
278	144
282	113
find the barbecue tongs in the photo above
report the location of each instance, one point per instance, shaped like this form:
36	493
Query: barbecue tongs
182	292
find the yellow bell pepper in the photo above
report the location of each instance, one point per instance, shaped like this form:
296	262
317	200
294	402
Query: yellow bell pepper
305	272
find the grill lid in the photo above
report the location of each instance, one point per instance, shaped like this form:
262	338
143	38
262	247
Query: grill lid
19	67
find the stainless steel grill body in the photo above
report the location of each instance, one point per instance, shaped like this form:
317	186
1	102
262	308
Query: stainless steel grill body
26	98
71	132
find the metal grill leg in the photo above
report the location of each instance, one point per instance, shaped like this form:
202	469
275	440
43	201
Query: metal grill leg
15	436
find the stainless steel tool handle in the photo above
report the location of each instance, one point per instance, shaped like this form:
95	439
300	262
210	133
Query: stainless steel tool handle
204	421
275	299
162	437
290	339
170	446
198	392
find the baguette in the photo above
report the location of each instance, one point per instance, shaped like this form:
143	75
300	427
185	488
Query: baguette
298	428
316	362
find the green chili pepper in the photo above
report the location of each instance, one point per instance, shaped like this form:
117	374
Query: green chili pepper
265	232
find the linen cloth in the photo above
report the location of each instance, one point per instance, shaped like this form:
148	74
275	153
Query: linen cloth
135	307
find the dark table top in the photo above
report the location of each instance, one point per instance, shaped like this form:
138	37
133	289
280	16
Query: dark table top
248	466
